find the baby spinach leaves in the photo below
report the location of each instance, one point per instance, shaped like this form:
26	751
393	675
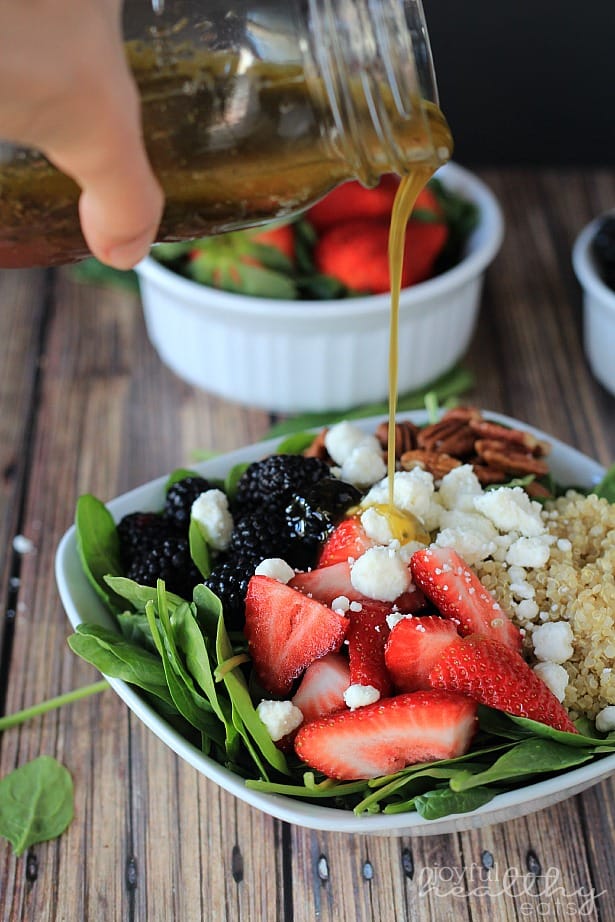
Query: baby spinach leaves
36	803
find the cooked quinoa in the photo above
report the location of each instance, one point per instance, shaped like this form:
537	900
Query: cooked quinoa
576	585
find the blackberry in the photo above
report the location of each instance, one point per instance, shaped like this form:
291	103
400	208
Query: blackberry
229	581
169	560
312	517
140	531
265	534
180	497
603	246
277	478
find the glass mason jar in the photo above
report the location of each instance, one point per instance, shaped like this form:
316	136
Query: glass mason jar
252	110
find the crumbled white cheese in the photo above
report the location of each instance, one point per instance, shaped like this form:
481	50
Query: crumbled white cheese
555	678
407	550
376	526
22	545
210	510
459	487
395	617
358	696
363	466
529	552
605	719
511	509
526	609
470	534
564	545
343	438
381	574
522	590
340	603
413	491
553	641
279	717
276	568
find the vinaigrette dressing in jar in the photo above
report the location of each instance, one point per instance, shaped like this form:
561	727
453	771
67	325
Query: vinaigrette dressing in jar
252	111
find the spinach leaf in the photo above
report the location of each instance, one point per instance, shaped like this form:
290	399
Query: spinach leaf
36	803
432	805
199	549
232	478
520	728
243	714
190	704
98	546
295	444
138	595
135	629
180	473
606	487
116	657
528	757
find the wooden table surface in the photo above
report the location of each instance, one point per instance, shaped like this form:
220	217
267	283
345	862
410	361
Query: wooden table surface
85	405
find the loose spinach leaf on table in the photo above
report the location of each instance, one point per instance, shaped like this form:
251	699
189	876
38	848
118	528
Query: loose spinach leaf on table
36	803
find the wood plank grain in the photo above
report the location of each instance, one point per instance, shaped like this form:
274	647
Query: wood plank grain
153	840
23	310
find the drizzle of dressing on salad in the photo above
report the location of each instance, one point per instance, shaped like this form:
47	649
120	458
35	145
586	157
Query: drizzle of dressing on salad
405	199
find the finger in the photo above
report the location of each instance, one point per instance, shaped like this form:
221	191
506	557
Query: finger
121	201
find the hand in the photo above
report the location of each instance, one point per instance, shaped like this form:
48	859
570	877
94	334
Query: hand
66	89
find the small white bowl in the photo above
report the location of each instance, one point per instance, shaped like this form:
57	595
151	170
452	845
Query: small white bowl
598	308
292	356
82	604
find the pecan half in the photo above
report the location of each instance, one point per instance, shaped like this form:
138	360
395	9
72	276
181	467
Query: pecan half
405	437
452	436
437	463
318	449
487	475
485	429
496	454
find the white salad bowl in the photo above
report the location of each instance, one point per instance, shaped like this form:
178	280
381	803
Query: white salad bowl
598	308
292	356
82	604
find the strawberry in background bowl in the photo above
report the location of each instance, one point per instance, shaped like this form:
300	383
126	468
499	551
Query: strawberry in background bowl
295	316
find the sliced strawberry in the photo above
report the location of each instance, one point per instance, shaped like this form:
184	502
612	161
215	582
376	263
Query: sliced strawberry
321	691
352	200
328	583
414	645
384	737
459	595
423	245
286	631
493	674
367	635
348	540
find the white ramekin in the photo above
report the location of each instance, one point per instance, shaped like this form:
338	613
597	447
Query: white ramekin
291	356
598	309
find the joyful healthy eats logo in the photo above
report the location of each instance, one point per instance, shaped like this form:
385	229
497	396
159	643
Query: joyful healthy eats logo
536	895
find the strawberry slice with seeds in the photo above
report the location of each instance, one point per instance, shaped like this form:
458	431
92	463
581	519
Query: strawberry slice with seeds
321	691
367	635
348	540
286	631
493	674
327	583
333	582
387	736
414	646
459	595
